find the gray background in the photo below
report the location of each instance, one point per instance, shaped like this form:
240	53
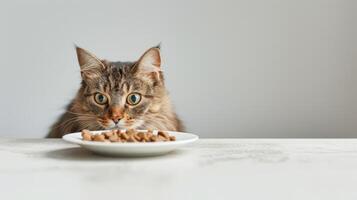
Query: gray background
252	68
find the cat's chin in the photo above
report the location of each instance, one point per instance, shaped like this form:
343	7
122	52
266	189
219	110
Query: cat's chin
119	127
123	125
134	125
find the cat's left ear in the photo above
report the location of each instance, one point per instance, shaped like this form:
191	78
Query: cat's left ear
149	63
91	66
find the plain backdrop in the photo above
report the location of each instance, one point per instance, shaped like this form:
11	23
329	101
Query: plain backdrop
254	68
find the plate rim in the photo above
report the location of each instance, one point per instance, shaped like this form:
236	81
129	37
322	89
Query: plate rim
71	139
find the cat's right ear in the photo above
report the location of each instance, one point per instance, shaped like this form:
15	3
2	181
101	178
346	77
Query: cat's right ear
91	66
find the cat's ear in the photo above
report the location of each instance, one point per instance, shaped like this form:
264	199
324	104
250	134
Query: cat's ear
91	66
149	63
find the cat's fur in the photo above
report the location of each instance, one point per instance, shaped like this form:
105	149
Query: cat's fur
116	80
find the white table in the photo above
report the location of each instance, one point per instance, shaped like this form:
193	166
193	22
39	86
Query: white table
209	169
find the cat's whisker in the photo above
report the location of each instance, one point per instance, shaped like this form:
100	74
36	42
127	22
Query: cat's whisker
80	114
65	122
80	122
72	120
89	125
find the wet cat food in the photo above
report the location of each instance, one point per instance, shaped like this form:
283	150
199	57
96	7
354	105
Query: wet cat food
130	135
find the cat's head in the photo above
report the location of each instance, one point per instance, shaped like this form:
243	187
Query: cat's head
118	94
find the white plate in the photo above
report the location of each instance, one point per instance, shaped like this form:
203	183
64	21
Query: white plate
132	149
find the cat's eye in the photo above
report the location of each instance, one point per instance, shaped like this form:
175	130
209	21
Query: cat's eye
100	99
133	98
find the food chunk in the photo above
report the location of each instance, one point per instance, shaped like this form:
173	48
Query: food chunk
130	135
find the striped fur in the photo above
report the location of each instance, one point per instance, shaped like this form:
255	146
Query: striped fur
117	80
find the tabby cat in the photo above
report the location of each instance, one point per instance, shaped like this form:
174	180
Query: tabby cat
121	95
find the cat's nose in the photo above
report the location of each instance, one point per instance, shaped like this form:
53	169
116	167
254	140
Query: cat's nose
116	114
116	121
116	118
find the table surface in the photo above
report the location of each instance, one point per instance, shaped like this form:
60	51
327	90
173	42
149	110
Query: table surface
209	169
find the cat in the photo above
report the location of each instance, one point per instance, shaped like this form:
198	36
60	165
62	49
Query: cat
124	95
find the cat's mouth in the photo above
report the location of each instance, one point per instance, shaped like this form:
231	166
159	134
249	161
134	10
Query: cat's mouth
121	124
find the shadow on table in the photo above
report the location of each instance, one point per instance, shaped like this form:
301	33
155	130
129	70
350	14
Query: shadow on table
78	153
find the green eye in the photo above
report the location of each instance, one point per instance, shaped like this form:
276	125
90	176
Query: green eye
100	99
133	98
